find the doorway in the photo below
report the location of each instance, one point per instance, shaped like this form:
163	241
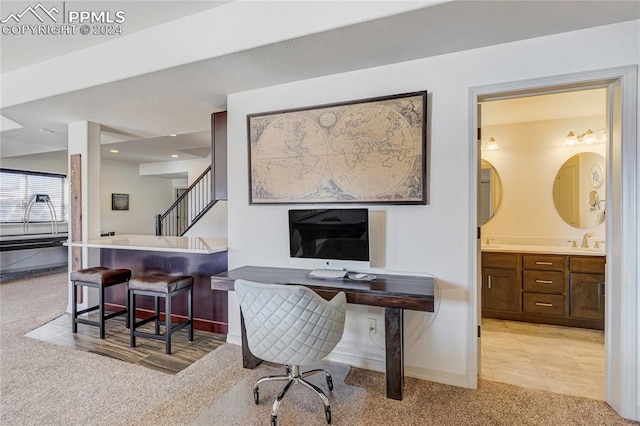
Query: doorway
542	317
621	229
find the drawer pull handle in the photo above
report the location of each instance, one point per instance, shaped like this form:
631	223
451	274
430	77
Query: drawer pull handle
549	305
544	263
489	281
544	281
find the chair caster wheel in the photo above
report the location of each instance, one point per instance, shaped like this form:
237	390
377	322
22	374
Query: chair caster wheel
273	420
329	382
327	414
256	396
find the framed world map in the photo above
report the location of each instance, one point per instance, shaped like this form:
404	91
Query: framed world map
365	151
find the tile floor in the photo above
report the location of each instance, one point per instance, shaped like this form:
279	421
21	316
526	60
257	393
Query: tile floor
558	359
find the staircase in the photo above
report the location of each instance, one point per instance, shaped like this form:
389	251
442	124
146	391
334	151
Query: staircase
188	208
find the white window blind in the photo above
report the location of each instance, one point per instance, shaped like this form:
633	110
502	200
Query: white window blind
18	187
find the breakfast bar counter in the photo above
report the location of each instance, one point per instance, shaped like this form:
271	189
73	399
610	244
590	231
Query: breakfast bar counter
199	257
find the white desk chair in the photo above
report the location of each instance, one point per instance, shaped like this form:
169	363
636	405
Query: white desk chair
291	325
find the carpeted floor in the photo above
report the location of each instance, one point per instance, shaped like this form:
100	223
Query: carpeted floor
45	384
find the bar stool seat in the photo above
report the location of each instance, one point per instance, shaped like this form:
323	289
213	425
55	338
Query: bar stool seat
98	277
158	286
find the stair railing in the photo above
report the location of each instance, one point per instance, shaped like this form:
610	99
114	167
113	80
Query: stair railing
188	208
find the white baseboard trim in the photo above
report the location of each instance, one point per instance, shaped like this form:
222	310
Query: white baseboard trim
234	339
438	376
357	361
444	377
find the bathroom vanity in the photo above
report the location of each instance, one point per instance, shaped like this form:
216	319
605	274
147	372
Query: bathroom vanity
544	285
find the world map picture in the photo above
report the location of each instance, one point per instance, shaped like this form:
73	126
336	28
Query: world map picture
370	151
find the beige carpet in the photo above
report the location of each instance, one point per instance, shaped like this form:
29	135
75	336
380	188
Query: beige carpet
44	384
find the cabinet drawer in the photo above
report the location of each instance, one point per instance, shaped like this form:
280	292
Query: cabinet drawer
543	281
587	264
547	304
544	262
500	260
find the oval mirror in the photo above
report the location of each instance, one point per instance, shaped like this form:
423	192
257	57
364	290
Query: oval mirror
578	190
490	193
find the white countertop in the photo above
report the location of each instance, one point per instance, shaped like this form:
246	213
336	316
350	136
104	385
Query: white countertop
573	251
202	245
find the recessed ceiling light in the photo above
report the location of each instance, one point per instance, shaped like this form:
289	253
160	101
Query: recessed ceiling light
173	134
174	156
115	151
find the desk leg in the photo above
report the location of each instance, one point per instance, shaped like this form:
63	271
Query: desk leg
248	359
394	349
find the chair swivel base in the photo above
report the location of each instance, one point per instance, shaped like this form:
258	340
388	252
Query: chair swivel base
294	376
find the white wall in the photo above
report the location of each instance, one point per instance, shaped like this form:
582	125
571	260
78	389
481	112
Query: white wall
148	196
528	160
433	238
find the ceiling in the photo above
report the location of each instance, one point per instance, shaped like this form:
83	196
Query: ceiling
146	109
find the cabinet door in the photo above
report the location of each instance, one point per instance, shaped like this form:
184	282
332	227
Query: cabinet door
587	296
500	290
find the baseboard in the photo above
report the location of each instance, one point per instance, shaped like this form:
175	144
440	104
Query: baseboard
356	361
459	380
234	339
444	377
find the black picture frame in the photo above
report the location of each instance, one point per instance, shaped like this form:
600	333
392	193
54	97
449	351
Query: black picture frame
119	201
367	151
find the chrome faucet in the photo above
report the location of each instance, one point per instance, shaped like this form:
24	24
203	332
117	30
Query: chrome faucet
585	240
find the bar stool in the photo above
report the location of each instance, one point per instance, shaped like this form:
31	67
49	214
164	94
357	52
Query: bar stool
100	278
160	286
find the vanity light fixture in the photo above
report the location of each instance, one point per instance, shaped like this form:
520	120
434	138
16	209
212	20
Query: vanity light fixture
492	144
588	137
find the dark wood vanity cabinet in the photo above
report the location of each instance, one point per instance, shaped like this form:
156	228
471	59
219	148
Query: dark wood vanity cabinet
501	289
587	288
544	288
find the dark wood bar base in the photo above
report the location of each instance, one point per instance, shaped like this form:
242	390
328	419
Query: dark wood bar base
392	292
210	307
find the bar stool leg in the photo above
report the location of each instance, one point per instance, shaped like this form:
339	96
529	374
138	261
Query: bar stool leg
101	311
190	313
156	300
74	308
167	318
132	318
126	301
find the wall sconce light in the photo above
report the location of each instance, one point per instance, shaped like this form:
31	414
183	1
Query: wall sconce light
589	137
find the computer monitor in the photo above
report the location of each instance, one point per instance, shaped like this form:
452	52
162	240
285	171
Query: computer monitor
330	238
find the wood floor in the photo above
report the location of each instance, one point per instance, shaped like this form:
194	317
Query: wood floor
148	352
559	359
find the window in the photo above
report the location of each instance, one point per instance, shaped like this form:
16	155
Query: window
18	188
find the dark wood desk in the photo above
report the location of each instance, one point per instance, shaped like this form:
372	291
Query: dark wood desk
392	292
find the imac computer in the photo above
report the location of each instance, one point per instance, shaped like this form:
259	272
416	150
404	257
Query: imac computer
330	238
